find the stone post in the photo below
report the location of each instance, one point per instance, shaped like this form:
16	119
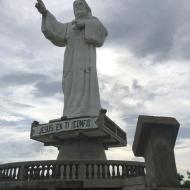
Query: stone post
155	139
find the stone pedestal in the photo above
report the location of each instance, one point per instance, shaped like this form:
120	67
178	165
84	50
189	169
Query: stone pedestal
155	140
81	149
84	138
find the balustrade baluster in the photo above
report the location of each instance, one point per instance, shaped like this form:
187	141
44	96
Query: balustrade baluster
14	173
98	171
48	171
118	171
51	171
143	171
10	173
3	173
95	171
108	171
124	173
77	171
64	171
33	172
128	171
140	171
82	170
61	172
103	171
56	171
70	171
53	168
23	173
67	171
73	176
43	172
87	171
17	173
6	171
36	172
135	171
113	171
40	172
132	171
92	171
30	173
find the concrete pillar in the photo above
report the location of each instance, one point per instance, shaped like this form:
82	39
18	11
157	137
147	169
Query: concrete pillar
155	139
82	149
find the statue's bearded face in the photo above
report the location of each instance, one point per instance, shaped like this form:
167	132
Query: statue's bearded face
80	9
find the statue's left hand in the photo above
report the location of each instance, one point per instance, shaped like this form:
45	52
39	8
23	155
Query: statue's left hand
80	24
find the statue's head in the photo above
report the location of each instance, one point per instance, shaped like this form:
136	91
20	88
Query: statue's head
81	9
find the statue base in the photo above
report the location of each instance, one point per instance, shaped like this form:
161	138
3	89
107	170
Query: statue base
81	148
84	138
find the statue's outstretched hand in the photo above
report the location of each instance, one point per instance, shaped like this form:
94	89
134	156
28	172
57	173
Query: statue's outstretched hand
41	7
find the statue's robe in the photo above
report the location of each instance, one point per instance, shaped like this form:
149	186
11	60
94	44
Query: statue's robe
80	82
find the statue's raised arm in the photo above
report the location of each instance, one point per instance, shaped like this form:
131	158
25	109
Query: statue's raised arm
41	7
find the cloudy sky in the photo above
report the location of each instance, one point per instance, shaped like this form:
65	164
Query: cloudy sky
143	68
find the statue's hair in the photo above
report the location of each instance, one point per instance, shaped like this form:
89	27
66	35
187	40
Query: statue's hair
87	7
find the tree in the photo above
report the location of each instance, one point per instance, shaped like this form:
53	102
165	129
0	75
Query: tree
184	182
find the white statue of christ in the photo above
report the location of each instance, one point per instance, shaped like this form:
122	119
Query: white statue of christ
81	37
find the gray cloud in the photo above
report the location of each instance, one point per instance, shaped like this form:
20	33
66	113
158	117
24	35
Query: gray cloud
20	105
21	149
22	124
45	85
147	28
25	54
22	78
184	132
151	28
48	88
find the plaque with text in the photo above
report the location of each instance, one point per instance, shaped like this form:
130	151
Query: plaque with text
61	126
